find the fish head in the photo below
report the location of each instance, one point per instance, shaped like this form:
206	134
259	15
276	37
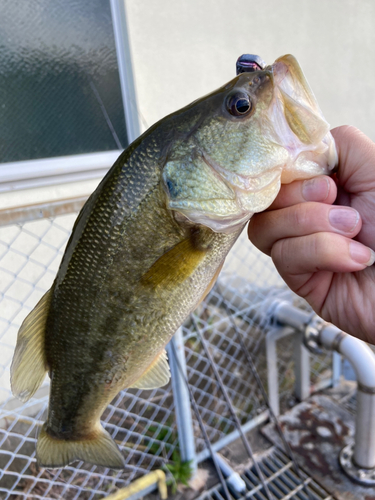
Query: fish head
242	142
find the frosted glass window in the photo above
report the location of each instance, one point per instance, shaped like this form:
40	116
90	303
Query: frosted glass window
58	71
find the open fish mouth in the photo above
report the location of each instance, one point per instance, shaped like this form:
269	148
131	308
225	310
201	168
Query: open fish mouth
299	124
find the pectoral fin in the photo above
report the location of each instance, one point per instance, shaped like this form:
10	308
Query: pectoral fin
156	375
175	266
29	365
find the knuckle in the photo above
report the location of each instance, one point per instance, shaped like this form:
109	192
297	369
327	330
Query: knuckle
300	216
279	252
323	247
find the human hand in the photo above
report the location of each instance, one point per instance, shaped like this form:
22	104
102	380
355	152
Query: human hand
324	251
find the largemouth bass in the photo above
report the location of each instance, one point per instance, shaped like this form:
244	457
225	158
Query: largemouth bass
148	246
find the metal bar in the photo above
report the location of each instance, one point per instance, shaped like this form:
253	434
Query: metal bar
125	68
182	400
301	369
18	215
272	373
229	438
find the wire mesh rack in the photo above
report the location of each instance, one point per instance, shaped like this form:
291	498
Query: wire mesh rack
142	422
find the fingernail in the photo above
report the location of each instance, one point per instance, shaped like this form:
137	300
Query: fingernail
343	219
315	189
361	254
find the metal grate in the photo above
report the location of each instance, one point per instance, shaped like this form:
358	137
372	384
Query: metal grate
141	427
281	479
142	422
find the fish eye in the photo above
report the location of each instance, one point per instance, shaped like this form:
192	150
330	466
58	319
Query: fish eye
239	104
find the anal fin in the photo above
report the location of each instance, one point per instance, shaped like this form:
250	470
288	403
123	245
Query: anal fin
29	365
156	375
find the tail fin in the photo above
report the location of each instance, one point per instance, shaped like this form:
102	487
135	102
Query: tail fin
29	365
99	449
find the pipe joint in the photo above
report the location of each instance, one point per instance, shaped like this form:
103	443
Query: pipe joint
311	334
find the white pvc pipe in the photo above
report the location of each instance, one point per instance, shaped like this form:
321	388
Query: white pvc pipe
232	477
354	350
363	361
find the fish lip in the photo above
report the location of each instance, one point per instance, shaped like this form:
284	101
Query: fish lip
250	184
293	92
280	71
288	75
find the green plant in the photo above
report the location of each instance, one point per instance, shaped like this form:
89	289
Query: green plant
180	471
160	435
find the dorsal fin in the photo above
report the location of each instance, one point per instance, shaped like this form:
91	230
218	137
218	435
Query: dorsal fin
156	375
29	365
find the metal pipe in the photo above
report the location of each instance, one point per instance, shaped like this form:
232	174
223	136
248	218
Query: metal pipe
301	367
363	361
229	438
182	400
301	370
272	337
234	480
354	350
336	368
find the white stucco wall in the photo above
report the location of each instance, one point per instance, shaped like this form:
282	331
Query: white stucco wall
183	49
